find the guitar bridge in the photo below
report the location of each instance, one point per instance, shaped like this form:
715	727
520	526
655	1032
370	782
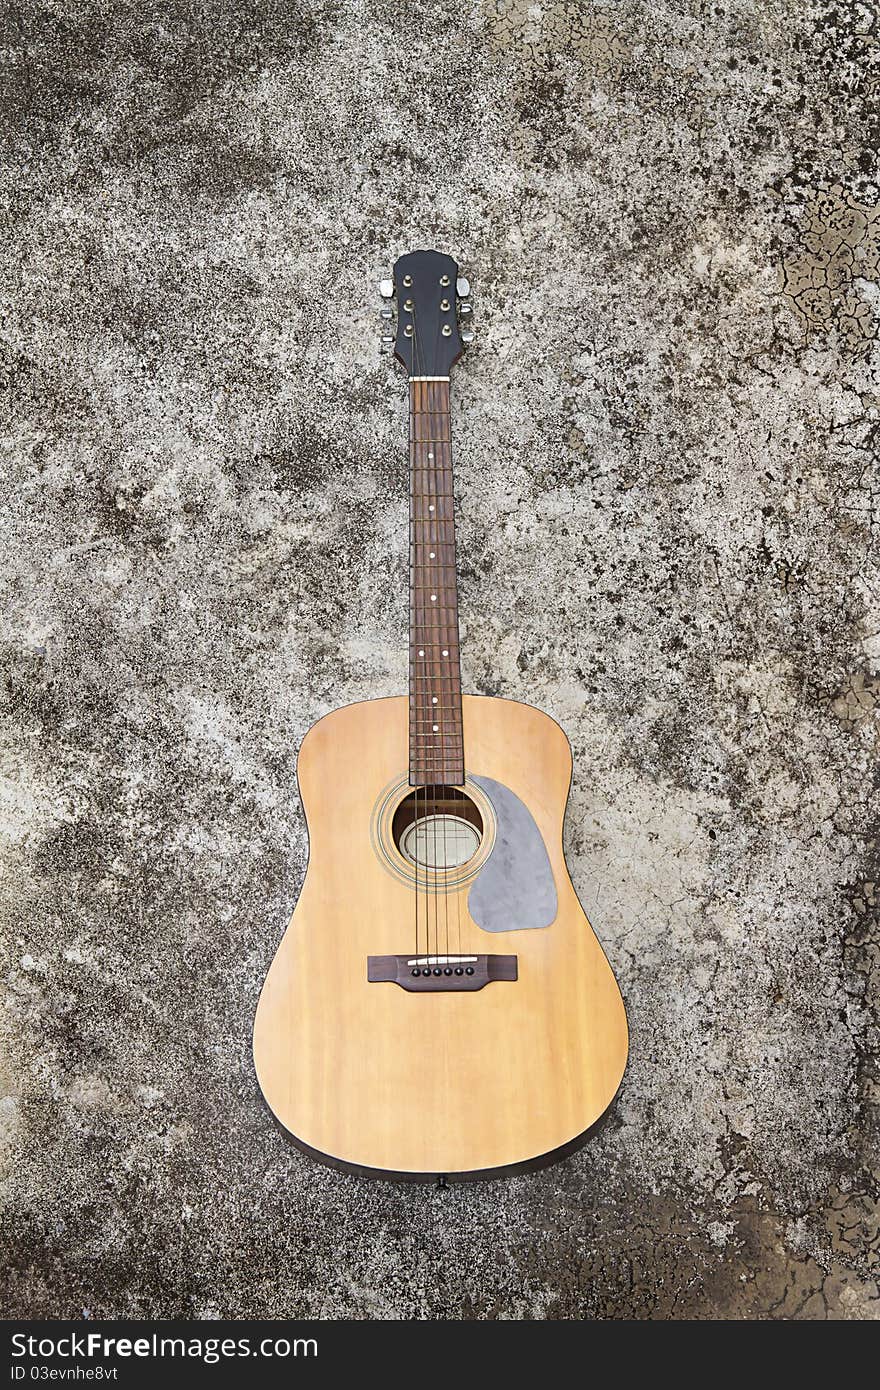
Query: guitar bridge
430	974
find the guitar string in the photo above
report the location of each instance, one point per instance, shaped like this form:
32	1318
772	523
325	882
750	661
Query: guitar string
457	640
415	627
413	681
447	681
438	428
445	693
440	457
418	636
433	534
437	760
442	488
419	701
452	646
439	821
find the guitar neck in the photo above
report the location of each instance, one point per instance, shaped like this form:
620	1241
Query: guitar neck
436	748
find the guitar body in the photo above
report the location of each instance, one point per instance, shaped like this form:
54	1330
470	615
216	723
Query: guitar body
429	1078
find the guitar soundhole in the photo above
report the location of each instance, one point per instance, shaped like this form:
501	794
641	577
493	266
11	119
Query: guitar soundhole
437	827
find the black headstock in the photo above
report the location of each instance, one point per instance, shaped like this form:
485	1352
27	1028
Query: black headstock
428	290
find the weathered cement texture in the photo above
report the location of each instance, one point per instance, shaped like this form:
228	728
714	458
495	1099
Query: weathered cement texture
665	435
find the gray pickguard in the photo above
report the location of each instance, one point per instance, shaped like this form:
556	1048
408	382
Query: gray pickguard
514	889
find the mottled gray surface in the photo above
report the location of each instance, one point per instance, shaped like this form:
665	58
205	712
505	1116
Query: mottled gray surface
665	436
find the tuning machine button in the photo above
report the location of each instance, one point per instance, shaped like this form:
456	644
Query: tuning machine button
465	310
386	289
386	313
463	287
386	342
467	335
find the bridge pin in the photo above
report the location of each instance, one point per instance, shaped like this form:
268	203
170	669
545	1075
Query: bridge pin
470	970
458	970
448	970
417	971
437	970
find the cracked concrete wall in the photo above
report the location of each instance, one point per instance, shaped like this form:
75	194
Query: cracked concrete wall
666	455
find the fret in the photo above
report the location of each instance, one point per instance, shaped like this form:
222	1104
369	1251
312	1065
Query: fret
440	775
424	739
423	742
424	754
451	769
427	716
428	721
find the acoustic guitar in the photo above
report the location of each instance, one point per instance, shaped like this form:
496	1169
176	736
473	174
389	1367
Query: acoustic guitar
439	1007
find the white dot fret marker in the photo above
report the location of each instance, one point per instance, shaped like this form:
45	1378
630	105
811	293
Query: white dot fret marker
431	507
433	598
430	456
432	556
421	653
433	699
435	727
445	653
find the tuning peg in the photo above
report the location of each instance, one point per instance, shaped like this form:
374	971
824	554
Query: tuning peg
463	287
467	336
386	313
465	309
386	342
386	289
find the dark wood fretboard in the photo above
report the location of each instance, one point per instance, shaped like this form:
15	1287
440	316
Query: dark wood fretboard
436	749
